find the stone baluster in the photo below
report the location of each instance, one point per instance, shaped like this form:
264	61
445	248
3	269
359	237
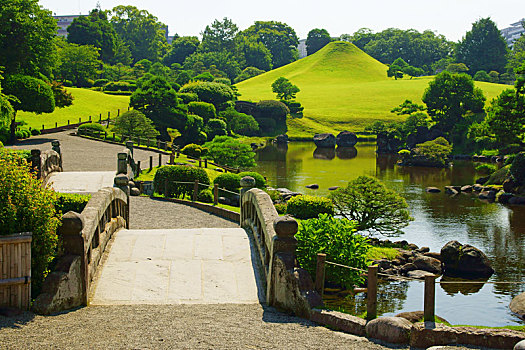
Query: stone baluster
122	181
122	163
56	147
247	183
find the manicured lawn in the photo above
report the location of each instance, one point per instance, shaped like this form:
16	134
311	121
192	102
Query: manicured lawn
87	103
342	88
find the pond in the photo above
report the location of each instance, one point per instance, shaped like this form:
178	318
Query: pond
499	231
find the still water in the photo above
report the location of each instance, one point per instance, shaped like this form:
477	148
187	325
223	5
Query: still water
499	231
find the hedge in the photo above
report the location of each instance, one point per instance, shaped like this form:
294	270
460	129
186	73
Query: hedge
229	181
275	110
92	126
308	207
71	202
180	173
260	181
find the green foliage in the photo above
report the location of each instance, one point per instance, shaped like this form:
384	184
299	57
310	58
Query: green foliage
211	92
215	127
228	151
92	126
22	134
188	97
242	124
284	89
193	150
134	123
281	208
205	76
517	168
373	206
228	181
100	82
506	117
486	169
316	40
498	176
180	173
120	86
33	95
431	153
205	196
63	98
35	132
219	36
77	63
71	202
247	73
27	206
483	47
252	54
218	63
482	75
204	110
181	48
456	68
449	97
307	207
337	238
260	181
275	110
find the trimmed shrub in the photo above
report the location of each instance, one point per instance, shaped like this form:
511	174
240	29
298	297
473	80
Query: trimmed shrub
216	127
206	76
71	202
205	196
27	206
266	124
224	81
244	124
203	109
275	110
24	154
120	86
119	93
280	207
22	134
100	82
193	150
229	181
307	207
91	126
180	173
517	168
260	181
187	97
211	92
35	132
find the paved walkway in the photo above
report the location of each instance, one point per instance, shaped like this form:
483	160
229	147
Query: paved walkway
188	266
81	181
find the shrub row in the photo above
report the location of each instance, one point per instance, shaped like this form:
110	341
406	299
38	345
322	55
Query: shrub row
179	173
307	207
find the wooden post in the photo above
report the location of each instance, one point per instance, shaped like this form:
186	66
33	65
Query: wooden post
371	306
89	118
215	194
56	125
138	140
80	120
206	163
138	167
150	163
113	137
118	112
178	153
430	298
43	127
160	159
200	163
100	118
68	122
319	273
195	190
172	158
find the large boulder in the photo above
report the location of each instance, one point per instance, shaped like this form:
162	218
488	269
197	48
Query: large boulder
517	305
387	144
394	330
346	139
325	140
426	263
464	261
416	316
281	139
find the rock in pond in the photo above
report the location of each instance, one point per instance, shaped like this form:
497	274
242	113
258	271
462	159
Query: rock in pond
419	274
432	190
281	139
464	261
346	139
450	190
325	140
394	330
517	305
312	186
426	263
333	188
466	188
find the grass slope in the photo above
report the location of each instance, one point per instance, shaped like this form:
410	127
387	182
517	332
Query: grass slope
86	103
342	88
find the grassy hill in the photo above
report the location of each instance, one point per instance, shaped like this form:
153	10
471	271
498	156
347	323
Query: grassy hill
86	103
342	88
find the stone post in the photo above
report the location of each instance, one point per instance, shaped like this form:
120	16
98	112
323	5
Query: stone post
371	305
122	181
73	244
55	144
122	163
319	273
430	298
36	162
129	145
247	183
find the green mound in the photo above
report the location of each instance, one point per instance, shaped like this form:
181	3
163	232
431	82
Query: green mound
342	88
86	103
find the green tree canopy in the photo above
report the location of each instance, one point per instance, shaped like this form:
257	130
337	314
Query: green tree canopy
135	123
373	206
228	151
316	40
506	117
181	48
77	63
252	53
26	38
449	97
223	61
284	89
483	47
219	36
94	30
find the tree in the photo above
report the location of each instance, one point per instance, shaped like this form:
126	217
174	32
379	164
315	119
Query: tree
215	127
220	36
506	117
316	40
94	30
483	47
223	61
252	53
181	48
140	31
373	206
482	75
457	68
247	73
284	89
228	151
77	63
31	95
517	55
26	38
62	97
135	123
243	124
278	37
211	92
449	97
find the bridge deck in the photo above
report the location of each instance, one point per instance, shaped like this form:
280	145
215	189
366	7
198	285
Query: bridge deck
81	182
183	266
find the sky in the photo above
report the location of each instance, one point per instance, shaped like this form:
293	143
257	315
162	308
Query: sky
452	18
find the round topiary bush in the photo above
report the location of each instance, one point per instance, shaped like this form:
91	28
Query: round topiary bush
193	150
228	181
211	92
308	207
205	196
204	110
100	82
169	177
260	181
92	127
35	132
187	97
517	168
275	110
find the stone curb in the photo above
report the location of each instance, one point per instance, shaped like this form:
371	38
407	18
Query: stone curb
221	212
155	150
424	335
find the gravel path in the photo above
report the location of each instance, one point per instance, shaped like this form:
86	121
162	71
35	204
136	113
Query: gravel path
152	213
80	154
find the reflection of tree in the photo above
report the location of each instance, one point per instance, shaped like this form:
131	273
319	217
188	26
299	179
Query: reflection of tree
390	298
463	288
324	153
346	152
274	163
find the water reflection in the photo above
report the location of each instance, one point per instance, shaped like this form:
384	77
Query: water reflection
497	230
452	288
324	153
346	152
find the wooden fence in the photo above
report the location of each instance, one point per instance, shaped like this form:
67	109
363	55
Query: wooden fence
15	271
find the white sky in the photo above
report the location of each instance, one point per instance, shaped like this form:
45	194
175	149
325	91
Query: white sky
451	18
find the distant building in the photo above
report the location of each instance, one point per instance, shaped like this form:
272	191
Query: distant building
63	22
513	32
302	48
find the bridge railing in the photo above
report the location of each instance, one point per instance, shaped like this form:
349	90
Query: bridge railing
287	287
47	162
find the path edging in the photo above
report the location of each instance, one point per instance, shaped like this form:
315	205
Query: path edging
221	212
